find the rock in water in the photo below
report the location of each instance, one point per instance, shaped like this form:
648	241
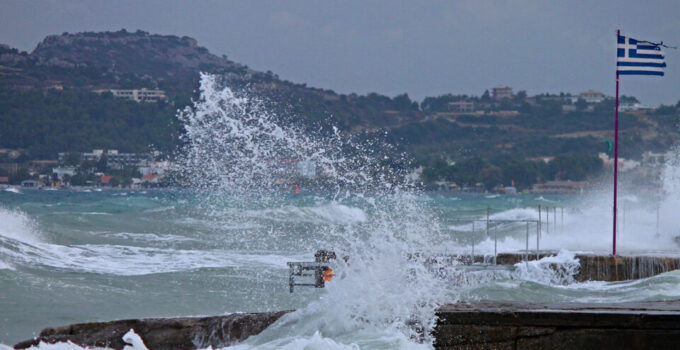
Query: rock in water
161	333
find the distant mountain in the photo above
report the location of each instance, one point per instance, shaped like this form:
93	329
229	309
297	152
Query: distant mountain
138	59
116	60
47	105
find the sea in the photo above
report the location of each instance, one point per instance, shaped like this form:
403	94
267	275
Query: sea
220	243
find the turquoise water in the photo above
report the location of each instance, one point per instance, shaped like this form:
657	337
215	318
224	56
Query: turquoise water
77	256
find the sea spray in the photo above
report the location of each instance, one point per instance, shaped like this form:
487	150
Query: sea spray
235	148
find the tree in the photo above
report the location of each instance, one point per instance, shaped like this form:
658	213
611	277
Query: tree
72	158
521	96
486	97
115	181
18	176
402	102
102	164
581	104
78	179
491	176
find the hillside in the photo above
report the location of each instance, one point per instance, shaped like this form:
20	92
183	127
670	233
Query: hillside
141	60
47	105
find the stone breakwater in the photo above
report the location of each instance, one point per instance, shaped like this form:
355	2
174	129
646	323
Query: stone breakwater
592	267
513	325
162	333
480	325
607	268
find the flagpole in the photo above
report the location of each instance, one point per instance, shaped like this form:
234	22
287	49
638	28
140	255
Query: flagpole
616	149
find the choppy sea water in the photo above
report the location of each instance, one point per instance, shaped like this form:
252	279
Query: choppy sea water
222	245
79	256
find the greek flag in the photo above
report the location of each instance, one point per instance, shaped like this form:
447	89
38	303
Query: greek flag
634	57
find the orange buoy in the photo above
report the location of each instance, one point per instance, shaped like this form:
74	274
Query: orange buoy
328	274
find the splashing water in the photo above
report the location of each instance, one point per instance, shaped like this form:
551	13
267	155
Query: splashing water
240	159
236	147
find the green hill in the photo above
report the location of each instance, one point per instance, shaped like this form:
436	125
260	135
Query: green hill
47	105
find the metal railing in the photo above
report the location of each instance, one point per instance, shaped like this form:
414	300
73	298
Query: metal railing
488	228
492	224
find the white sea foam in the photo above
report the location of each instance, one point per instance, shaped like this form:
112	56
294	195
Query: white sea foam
12	189
135	261
149	237
18	226
132	340
333	213
559	269
5	266
24	245
384	296
159	210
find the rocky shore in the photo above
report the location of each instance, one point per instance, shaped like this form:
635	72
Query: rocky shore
479	325
162	333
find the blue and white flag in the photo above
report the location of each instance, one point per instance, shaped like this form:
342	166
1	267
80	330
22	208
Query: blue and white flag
635	57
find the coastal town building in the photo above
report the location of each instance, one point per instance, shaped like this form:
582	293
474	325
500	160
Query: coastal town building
562	187
462	107
105	180
64	170
137	95
151	167
500	92
30	184
626	106
114	159
592	96
126	160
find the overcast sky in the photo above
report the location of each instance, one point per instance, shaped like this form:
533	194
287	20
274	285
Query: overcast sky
423	48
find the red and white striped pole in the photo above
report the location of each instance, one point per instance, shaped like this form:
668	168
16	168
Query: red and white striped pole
616	147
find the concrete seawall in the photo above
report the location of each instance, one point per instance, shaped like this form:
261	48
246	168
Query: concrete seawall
479	325
605	267
512	325
162	333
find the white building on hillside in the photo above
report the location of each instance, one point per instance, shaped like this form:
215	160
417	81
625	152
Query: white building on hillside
592	96
137	95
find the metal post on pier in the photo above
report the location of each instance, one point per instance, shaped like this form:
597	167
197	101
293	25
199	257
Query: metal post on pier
538	236
657	219
622	228
487	221
472	257
495	243
526	251
538	225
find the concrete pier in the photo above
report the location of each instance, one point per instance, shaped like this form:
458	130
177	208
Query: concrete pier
606	267
592	267
162	333
479	325
513	325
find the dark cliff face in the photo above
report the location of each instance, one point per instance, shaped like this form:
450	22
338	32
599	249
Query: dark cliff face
124	59
137	53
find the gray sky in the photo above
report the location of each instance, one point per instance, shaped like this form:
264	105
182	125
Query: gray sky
391	47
